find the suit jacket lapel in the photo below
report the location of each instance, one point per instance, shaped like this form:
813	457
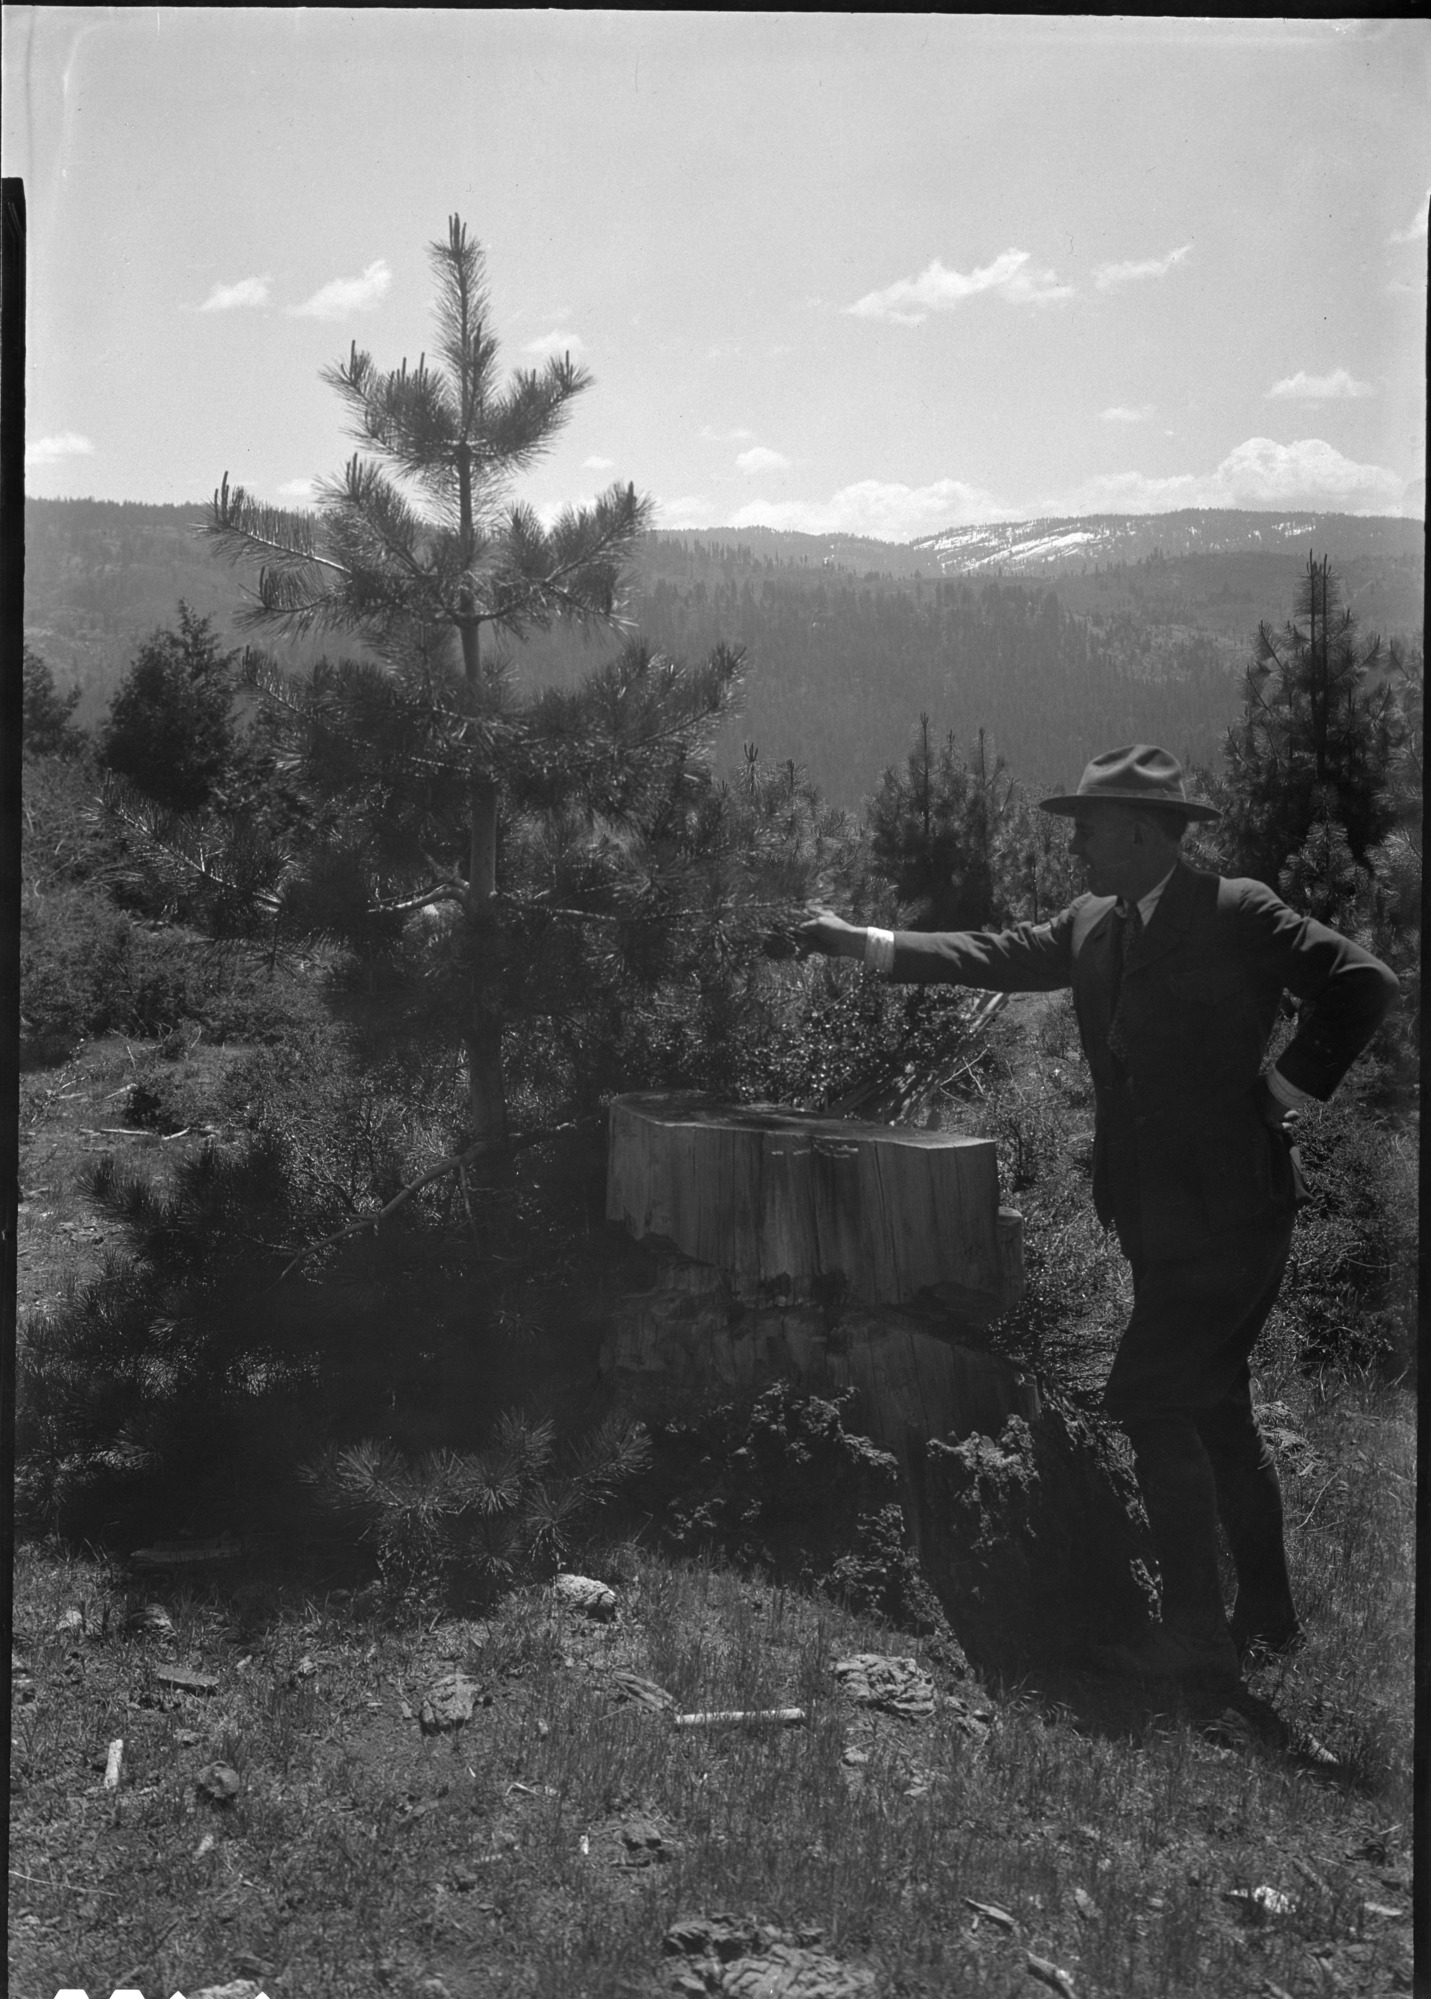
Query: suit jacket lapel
1099	949
1170	920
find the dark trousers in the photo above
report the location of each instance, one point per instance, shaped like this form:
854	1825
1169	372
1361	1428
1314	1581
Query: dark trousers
1180	1386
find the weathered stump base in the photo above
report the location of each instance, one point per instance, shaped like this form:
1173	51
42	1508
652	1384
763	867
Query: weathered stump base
695	1339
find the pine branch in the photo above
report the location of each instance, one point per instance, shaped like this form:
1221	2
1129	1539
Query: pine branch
319	701
663	914
409	416
445	890
454	1162
177	842
519	425
245	529
363	501
591	539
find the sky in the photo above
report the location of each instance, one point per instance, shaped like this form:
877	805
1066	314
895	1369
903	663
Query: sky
855	273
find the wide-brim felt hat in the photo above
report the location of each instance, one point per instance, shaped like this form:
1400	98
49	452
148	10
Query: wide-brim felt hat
1140	774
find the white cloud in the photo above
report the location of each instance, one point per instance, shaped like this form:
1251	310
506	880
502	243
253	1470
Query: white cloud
740	435
1108	276
883	509
301	490
345	295
909	301
248	291
1308	475
1260	474
549	512
688	510
760	458
1121	413
548	346
1304	388
597	464
1415	230
51	450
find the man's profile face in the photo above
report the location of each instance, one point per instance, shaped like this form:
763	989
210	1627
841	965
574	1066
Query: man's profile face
1102	840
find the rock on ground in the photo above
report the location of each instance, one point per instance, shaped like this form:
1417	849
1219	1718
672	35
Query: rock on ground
883	1680
737	1959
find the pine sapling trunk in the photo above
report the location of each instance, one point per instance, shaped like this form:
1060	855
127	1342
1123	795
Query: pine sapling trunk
487	1095
486	1091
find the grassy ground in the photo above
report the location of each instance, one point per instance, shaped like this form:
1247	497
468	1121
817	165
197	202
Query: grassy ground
142	1103
548	1846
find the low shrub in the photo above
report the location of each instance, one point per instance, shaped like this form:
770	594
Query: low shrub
787	1484
1351	1278
87	968
452	1526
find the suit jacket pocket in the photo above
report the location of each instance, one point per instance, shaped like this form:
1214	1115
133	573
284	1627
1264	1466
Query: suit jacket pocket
1244	1168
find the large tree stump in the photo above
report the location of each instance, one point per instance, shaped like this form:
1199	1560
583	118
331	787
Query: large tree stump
831	1255
787	1203
822	1252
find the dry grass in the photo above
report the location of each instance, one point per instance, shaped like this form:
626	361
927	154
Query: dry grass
363	1856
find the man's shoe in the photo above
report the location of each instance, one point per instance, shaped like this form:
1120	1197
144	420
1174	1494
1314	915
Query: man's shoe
1266	1621
1161	1654
1270	1641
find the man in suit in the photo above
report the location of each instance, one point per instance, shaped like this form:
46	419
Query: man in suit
1178	978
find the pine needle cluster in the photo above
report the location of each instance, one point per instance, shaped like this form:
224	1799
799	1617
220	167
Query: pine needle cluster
449	1524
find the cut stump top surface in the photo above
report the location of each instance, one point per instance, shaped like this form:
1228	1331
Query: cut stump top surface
775	1195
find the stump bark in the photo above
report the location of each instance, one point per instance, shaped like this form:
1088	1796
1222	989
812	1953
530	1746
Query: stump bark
790	1204
822	1252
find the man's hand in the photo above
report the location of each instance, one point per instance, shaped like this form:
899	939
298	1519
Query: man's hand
823	931
1273	1113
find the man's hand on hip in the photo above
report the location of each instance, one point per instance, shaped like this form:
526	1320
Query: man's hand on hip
1274	1113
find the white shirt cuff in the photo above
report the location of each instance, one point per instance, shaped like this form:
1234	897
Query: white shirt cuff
879	949
1287	1094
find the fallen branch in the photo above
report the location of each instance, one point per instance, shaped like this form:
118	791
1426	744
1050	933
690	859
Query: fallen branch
164	1555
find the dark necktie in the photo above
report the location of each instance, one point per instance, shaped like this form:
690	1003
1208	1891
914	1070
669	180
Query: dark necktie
1126	932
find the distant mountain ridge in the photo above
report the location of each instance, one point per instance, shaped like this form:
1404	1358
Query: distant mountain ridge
1060	544
1052	545
1058	637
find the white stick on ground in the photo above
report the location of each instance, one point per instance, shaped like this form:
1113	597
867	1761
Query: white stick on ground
778	1717
112	1763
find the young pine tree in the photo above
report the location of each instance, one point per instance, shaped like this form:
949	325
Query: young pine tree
505	858
933	833
45	720
1313	787
170	731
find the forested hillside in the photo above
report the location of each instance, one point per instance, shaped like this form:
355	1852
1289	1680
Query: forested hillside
839	671
847	643
101	575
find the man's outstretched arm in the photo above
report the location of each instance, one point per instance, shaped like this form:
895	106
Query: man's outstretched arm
1026	958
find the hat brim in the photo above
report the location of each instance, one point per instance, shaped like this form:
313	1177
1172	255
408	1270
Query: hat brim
1186	808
